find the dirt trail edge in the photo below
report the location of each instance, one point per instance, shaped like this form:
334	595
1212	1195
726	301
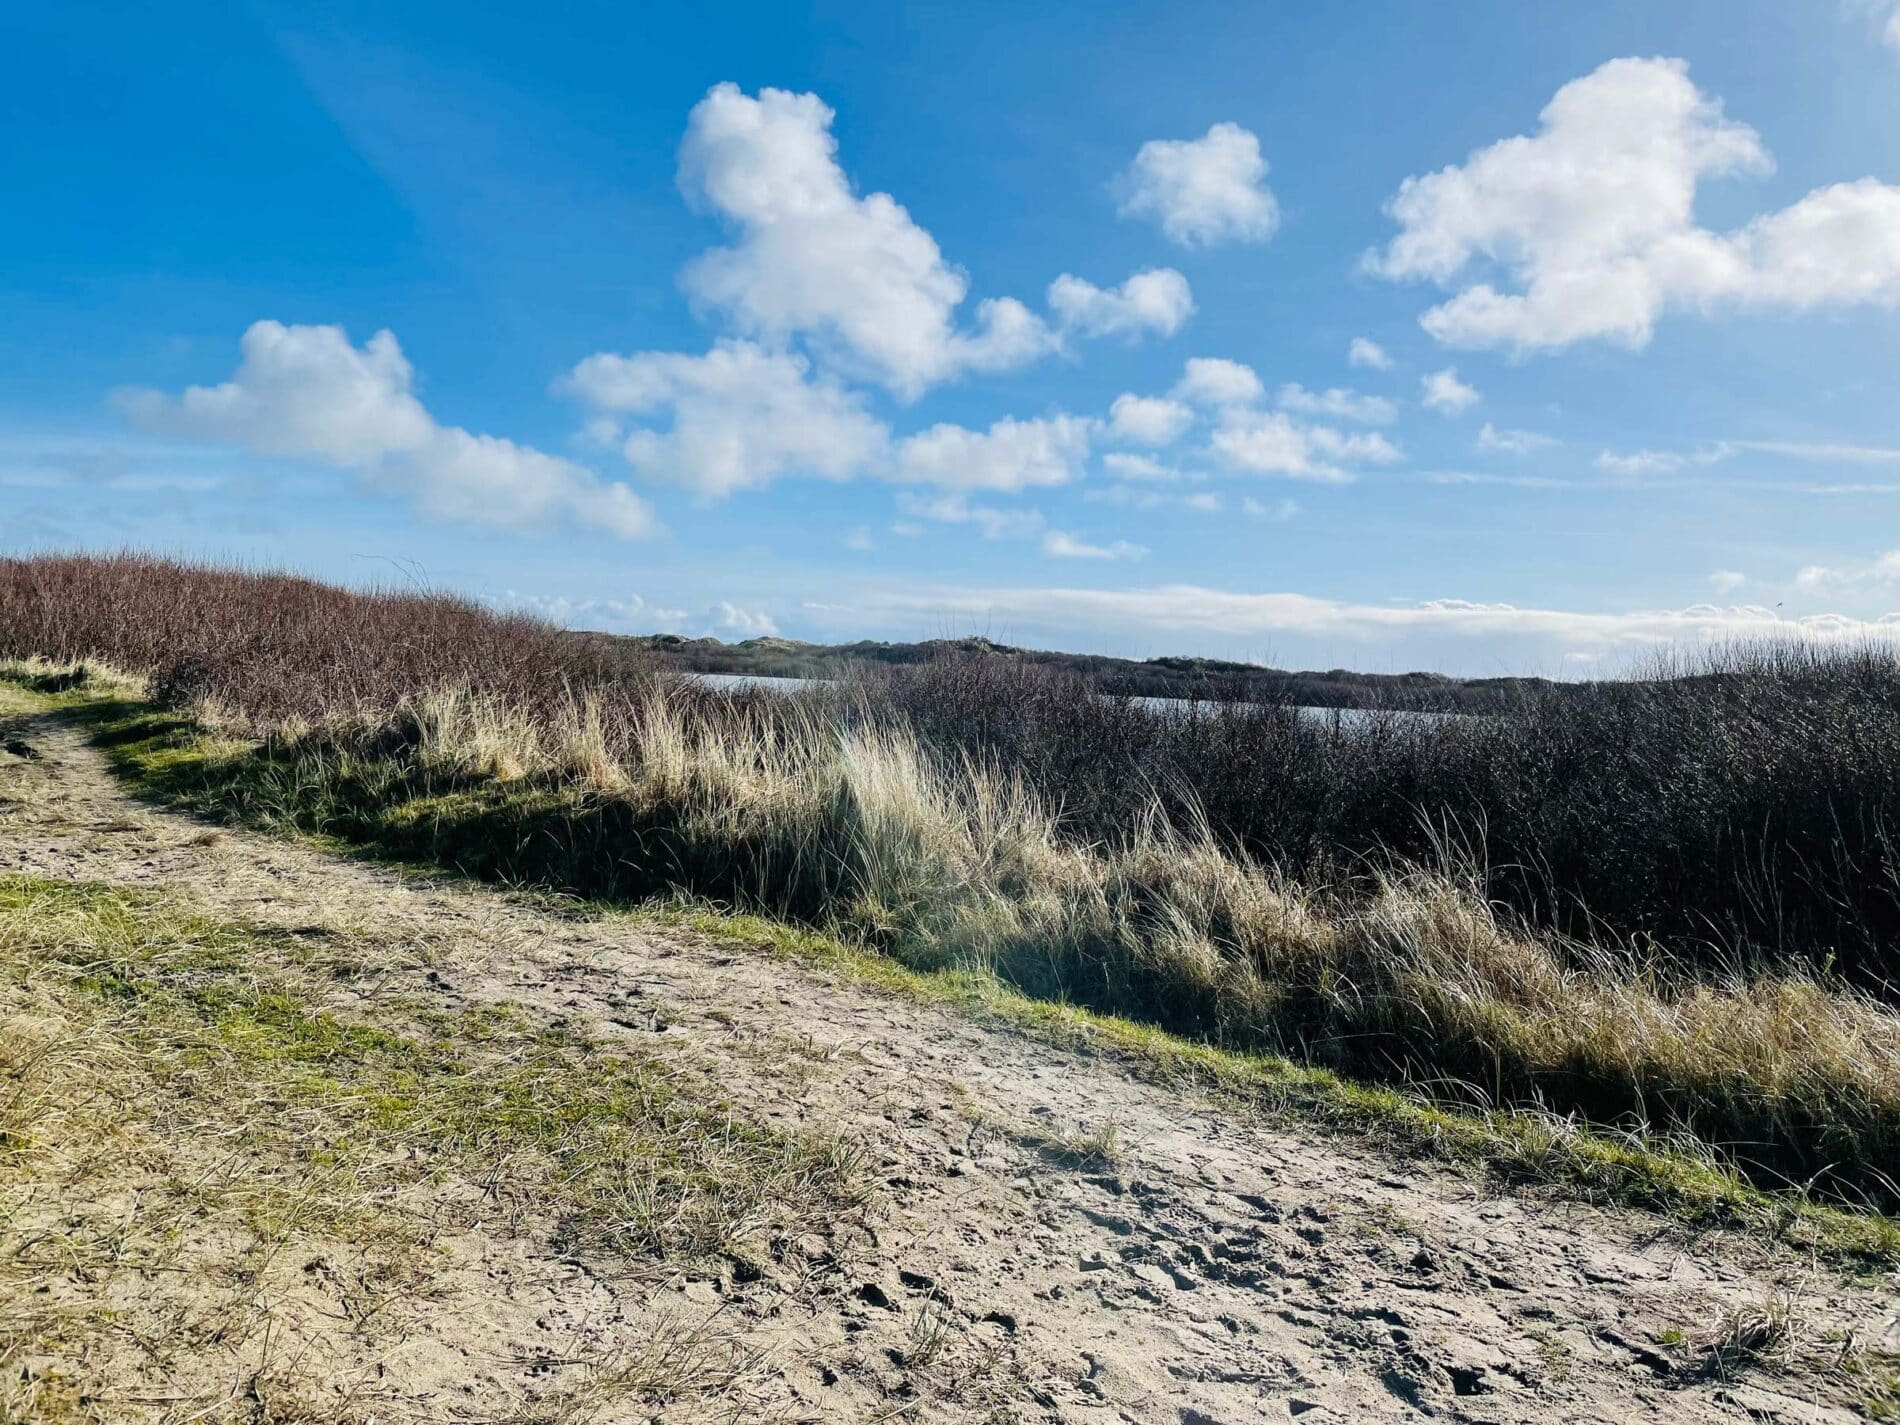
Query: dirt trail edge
1211	1270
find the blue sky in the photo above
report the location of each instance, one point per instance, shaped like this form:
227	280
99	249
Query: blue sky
1485	337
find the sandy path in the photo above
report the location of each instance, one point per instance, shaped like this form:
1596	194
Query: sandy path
1223	1271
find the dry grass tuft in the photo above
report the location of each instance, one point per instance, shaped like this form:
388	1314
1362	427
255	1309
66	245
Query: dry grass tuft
1764	1331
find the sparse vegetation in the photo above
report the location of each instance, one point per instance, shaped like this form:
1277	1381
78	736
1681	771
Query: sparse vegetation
196	1117
1882	1401
643	1163
926	815
1761	1330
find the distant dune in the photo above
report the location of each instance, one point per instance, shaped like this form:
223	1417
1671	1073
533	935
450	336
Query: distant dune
1213	679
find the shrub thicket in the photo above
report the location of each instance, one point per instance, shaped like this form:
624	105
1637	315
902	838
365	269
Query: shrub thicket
271	647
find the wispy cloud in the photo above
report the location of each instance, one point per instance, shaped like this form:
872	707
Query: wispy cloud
1150	497
1522	482
1125	466
1640	462
955	508
636	614
1821	451
1338	402
1279	511
1060	544
1513	442
1187	609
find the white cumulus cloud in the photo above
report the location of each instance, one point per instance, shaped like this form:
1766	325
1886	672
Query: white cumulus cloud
1368	355
1589	224
1156	301
1011	455
1126	466
485	479
853	274
742	416
305	392
1442	391
1216	381
1273	443
1202	191
739	417
1148	420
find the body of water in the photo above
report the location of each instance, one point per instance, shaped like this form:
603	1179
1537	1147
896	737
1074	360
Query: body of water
1338	717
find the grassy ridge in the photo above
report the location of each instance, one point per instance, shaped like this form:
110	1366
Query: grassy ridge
964	816
1397	990
1741	810
169	759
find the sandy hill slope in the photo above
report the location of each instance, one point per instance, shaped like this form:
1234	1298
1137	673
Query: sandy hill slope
997	1230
